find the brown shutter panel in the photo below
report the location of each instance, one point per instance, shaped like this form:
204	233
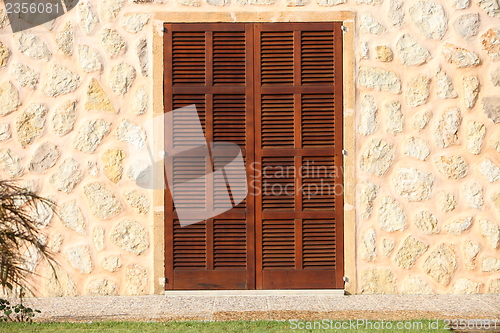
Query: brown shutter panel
298	148
209	65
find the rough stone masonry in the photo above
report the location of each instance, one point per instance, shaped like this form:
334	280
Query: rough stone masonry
76	91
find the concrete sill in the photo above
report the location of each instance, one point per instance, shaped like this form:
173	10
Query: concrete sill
315	292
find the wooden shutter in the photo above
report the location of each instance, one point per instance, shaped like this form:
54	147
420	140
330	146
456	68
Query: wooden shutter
276	91
298	152
210	65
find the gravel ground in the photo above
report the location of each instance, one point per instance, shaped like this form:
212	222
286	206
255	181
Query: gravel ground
266	307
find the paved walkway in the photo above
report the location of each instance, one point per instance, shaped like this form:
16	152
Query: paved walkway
305	305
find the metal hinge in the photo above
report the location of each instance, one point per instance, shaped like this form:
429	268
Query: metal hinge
344	28
164	29
344	152
163	280
345	279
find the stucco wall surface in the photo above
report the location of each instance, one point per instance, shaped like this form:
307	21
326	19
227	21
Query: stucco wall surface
75	94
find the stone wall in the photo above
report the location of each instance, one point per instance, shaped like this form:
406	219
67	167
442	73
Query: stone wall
74	94
428	139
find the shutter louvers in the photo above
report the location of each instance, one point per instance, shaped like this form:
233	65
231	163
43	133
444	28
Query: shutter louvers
189	246
318	120
235	176
318	244
318	183
317	57
277	58
278	244
188	58
230	119
229	58
277	121
278	183
230	250
184	128
189	195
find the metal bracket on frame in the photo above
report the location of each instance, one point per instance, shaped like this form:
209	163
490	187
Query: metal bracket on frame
344	29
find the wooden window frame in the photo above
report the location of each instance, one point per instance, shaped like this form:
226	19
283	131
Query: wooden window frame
349	145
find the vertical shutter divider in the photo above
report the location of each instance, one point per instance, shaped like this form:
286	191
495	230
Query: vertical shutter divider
297	103
250	152
297	59
209	124
297	119
298	183
299	253
209	162
298	208
209	53
209	234
297	115
258	153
